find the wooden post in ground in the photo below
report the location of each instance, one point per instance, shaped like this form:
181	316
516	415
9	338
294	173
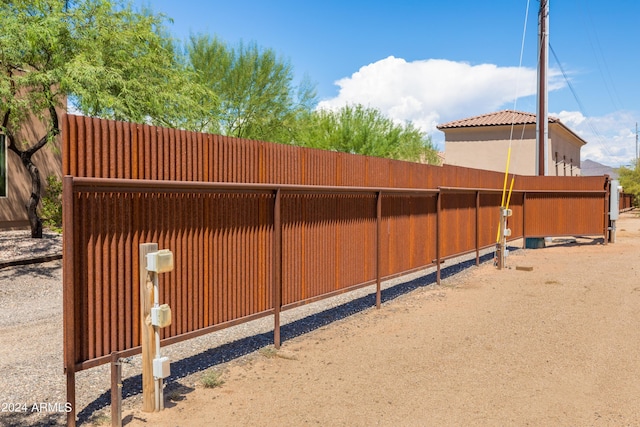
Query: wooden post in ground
116	390
147	340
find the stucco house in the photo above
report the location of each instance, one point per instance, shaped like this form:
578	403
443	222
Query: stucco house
15	187
482	142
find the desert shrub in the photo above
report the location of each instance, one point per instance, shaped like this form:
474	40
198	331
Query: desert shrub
211	379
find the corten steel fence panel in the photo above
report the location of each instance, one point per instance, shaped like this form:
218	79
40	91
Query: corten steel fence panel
223	250
457	223
221	244
378	172
237	160
400	175
560	183
223	240
324	228
626	201
408	239
320	167
421	242
564	214
456	176
489	217
351	170
328	244
557	206
515	222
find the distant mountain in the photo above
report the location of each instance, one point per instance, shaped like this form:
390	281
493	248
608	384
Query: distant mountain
591	168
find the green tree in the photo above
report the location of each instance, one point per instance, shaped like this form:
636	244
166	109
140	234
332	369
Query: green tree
360	130
257	97
630	181
105	58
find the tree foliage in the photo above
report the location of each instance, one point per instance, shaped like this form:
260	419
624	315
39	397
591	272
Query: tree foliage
630	181
257	100
257	97
106	58
360	130
127	67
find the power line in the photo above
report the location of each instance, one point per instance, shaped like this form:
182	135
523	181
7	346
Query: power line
600	59
517	89
599	138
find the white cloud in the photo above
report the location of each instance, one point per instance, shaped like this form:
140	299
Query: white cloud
434	91
611	139
571	119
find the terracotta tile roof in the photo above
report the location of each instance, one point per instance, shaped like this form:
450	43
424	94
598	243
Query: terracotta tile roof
501	118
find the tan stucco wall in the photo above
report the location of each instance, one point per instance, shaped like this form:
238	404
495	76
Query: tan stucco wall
48	160
487	148
564	153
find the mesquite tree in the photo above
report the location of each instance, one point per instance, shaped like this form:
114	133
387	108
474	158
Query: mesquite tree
256	95
107	59
362	130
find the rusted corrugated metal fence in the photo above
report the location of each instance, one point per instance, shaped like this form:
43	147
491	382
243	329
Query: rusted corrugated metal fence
256	227
626	201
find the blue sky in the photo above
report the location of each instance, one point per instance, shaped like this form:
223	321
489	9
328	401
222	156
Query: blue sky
436	61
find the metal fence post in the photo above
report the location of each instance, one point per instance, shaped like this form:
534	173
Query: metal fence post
524	220
607	187
277	266
477	228
438	208
378	247
116	390
69	298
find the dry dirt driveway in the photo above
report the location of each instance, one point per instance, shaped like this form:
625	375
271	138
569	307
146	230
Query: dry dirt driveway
556	346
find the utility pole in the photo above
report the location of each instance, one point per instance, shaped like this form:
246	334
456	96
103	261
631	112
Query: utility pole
542	119
636	145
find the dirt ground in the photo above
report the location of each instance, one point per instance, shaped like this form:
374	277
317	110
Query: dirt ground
556	346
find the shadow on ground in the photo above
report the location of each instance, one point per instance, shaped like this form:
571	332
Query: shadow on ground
46	270
215	356
28	418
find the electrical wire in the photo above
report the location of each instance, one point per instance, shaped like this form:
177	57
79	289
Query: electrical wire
513	115
599	138
600	58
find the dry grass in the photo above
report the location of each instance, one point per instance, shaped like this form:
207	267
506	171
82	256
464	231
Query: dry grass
211	379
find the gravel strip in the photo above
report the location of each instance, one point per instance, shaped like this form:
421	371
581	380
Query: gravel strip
31	332
17	245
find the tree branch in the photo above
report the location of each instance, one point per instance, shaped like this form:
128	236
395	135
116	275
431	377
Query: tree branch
55	126
5	119
12	140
